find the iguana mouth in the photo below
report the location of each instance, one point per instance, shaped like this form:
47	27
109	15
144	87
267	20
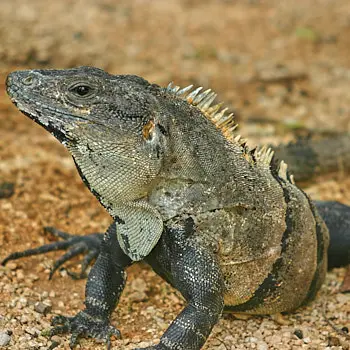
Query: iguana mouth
40	111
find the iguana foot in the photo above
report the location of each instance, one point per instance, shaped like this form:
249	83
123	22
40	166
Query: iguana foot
84	325
74	244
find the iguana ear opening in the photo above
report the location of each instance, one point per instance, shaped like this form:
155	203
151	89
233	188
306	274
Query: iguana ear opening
148	130
139	229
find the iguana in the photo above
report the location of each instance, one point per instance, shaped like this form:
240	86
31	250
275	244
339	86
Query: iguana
223	224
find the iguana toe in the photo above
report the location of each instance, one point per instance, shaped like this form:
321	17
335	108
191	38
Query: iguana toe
73	244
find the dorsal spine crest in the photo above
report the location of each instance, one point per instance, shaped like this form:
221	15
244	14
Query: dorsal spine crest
216	114
224	122
260	156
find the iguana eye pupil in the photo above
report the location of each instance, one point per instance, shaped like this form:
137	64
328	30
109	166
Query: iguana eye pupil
81	90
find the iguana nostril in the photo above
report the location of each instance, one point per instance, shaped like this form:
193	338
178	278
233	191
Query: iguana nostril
28	80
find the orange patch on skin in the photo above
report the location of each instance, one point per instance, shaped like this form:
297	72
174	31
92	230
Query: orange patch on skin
148	129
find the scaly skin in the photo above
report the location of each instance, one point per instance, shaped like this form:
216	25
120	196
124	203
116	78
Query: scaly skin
223	224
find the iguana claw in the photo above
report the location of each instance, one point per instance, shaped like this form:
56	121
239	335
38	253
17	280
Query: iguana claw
84	325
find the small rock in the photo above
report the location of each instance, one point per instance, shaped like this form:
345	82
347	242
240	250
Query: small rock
24	319
299	333
333	341
251	340
137	296
144	344
32	331
4	339
174	299
23	301
345	329
7	189
286	335
261	345
307	340
139	287
161	323
56	339
42	308
12	266
229	338
342	298
138	284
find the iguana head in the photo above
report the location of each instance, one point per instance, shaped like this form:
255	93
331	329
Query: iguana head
111	125
108	122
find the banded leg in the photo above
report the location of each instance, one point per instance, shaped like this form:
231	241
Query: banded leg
196	274
105	284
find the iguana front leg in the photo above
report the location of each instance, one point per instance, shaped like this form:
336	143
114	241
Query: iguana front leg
105	284
194	271
74	244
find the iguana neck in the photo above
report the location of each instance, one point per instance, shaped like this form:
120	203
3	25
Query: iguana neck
194	156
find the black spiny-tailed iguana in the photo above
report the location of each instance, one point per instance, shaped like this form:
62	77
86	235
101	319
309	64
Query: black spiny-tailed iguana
225	225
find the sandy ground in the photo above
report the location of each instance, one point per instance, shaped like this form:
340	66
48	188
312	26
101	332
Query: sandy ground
283	68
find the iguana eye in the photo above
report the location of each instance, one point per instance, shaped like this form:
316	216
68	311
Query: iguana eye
81	90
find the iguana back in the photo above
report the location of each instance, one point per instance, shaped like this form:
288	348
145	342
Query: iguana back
270	242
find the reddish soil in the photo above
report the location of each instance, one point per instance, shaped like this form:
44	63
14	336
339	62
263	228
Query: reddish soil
283	67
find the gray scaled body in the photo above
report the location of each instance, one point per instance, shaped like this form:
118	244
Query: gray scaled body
222	223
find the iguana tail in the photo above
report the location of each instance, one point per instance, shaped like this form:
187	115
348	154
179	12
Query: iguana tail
337	219
307	158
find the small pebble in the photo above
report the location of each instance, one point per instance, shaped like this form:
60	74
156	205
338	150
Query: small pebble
251	340
12	266
307	340
333	341
7	189
299	333
137	296
42	308
261	345
4	339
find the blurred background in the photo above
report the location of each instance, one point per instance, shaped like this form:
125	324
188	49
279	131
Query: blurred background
282	66
286	61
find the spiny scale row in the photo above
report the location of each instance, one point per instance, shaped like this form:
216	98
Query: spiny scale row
203	101
262	155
